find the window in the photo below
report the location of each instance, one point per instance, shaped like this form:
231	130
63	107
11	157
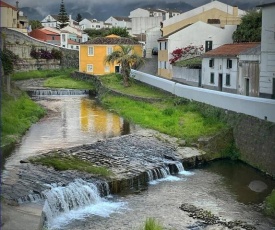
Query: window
63	37
227	79
52	37
165	65
77	47
212	78
109	50
90	68
90	51
211	63
165	45
208	45
107	69
229	64
72	47
160	46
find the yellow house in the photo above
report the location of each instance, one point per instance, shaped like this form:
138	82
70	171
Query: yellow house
92	54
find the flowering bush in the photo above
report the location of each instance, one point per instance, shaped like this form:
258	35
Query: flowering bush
45	54
184	52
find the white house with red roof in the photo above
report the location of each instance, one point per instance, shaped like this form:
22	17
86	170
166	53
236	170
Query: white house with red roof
233	68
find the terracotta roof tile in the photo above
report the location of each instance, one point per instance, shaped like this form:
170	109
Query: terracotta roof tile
72	42
112	41
231	50
4	4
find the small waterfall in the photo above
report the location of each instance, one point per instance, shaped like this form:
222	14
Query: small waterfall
76	201
179	166
34	197
57	92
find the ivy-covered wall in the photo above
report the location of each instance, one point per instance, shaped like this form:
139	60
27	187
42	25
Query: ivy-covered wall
22	45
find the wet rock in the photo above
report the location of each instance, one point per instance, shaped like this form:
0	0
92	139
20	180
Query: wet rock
257	186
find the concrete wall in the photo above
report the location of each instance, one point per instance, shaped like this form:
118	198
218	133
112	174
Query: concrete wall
186	76
257	107
267	73
21	45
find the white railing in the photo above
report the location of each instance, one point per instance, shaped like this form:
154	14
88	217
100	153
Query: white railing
253	106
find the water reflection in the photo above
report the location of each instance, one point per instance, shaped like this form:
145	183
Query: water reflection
247	183
73	120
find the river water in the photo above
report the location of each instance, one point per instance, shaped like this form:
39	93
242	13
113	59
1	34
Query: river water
232	191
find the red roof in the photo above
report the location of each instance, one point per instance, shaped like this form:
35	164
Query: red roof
3	4
72	42
231	50
48	32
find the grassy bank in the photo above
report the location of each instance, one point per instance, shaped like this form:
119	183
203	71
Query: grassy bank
18	112
270	204
173	116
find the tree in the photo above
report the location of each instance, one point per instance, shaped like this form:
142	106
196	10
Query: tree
126	58
93	33
35	24
250	28
78	18
62	16
122	32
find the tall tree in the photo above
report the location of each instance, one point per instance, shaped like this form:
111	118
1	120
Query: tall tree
35	24
63	16
250	28
78	17
126	58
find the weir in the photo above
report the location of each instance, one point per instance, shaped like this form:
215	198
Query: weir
57	92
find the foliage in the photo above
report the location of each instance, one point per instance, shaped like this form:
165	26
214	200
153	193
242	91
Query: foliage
61	163
151	224
122	32
93	33
270	204
8	59
63	16
40	74
189	63
78	17
65	81
250	28
179	53
45	54
35	24
17	115
115	81
126	58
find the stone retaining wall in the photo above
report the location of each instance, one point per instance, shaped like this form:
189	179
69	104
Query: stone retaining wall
21	45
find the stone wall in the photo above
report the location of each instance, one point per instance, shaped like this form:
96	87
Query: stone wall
21	45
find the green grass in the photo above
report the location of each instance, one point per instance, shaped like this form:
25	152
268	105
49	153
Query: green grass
40	74
115	82
65	81
17	115
270	204
61	163
178	120
151	224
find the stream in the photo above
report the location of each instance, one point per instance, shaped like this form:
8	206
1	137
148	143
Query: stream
230	190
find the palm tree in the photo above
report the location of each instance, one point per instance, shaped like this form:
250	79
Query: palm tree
127	59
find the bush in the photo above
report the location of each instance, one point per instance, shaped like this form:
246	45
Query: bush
270	204
152	224
8	59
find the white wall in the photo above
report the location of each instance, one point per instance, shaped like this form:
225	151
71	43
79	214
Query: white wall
188	76
220	67
152	35
268	50
257	107
141	24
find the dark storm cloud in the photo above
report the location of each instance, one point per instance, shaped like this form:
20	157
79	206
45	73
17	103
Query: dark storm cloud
103	9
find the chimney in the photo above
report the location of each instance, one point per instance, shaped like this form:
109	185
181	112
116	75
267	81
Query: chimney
17	5
235	11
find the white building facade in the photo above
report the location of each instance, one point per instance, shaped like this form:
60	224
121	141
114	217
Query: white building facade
267	73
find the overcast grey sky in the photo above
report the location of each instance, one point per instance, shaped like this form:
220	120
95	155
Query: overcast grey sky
109	8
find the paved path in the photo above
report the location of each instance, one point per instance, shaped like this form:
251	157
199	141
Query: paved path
150	66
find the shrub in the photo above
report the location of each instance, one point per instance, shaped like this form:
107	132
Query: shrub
57	54
152	224
8	59
270	204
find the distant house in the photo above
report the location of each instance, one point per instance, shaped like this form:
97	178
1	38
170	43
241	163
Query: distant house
199	34
52	21
13	18
267	74
220	18
93	53
46	36
232	68
147	18
122	22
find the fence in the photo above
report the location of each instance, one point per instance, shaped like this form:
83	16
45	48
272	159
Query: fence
258	107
